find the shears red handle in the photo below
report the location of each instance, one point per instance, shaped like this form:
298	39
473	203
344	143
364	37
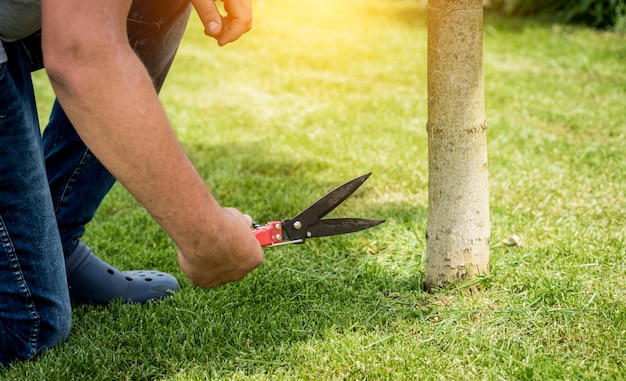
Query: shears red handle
271	234
309	223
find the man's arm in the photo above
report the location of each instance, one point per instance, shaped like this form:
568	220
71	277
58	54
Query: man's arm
110	99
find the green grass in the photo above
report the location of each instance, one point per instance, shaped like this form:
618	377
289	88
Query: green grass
318	93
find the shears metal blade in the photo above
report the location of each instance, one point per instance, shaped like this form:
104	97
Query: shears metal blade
310	223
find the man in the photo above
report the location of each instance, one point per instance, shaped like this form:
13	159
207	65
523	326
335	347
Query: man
106	61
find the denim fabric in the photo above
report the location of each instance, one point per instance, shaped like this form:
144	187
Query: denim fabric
34	301
51	186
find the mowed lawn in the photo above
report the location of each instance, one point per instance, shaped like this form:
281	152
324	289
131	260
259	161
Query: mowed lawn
318	93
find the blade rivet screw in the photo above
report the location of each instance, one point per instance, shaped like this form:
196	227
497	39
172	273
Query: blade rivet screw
277	226
308	234
279	237
297	225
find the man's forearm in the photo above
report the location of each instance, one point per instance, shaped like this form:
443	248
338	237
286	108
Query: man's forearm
110	99
124	125
115	110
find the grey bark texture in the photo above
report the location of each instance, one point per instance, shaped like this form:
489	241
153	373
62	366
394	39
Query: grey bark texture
458	226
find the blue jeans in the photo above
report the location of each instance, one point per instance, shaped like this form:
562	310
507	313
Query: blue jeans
51	185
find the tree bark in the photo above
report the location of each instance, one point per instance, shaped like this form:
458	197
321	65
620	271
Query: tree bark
458	227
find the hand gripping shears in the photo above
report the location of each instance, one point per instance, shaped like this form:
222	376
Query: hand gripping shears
309	223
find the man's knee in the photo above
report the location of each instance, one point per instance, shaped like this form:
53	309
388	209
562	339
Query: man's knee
58	325
23	339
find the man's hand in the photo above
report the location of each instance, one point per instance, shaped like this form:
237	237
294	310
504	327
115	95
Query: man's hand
227	29
227	257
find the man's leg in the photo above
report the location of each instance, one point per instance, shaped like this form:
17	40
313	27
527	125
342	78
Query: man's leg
79	183
35	310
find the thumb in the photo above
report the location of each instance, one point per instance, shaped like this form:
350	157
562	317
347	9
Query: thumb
209	15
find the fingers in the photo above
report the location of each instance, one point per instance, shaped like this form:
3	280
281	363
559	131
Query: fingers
210	16
237	22
237	214
248	218
225	258
227	29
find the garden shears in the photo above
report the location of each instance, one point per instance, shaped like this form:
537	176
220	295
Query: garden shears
309	222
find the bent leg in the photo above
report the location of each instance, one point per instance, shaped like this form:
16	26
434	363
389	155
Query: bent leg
79	182
35	310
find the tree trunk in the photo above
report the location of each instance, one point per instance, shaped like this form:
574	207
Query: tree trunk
458	227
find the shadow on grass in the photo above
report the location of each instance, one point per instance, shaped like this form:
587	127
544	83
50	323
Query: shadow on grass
328	288
315	292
